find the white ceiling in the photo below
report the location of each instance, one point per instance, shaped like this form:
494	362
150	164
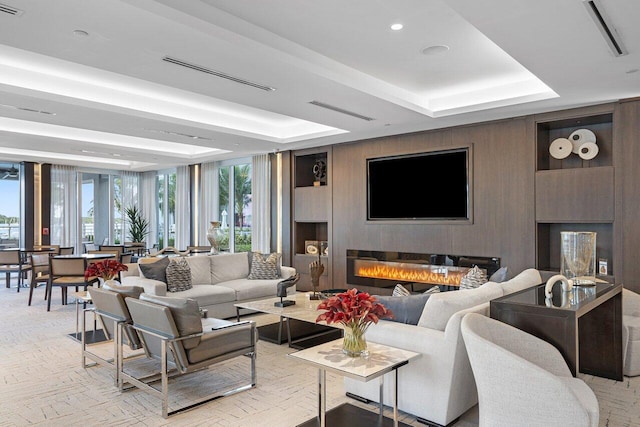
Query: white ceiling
117	104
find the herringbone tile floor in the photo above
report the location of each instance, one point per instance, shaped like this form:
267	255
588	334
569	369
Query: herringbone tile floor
43	383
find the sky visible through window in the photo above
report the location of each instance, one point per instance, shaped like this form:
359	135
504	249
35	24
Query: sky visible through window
10	198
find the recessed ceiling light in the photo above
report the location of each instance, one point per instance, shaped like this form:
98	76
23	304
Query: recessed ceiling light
397	27
435	50
80	33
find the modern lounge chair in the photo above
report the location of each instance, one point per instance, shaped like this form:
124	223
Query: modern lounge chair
173	332
112	311
523	379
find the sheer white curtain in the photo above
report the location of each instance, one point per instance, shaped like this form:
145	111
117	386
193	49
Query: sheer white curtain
210	198
149	206
129	198
261	203
183	208
64	206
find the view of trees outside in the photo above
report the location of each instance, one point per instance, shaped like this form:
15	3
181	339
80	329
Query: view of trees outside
10	212
166	207
238	208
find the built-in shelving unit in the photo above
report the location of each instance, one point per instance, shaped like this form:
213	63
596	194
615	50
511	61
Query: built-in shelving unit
573	194
311	213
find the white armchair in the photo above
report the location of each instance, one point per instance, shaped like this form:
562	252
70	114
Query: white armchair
523	379
630	333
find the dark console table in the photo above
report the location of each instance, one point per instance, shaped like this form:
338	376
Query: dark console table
585	324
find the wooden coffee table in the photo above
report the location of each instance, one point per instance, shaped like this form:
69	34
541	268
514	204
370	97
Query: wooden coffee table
297	325
382	359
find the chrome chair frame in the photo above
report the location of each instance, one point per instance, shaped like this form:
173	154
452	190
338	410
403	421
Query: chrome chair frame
167	360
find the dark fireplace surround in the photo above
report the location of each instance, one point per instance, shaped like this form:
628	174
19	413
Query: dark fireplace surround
385	269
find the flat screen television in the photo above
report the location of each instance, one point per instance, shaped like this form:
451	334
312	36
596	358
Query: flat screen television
426	186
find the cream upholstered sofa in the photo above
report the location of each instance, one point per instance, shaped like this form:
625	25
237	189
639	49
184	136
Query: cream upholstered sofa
218	282
438	386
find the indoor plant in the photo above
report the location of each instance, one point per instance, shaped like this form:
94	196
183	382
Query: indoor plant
107	269
356	311
138	225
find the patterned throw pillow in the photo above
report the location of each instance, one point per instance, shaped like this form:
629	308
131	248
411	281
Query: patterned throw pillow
178	275
264	267
432	290
400	291
473	279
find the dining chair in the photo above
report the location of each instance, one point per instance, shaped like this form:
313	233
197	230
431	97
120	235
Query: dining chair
65	272
67	250
112	248
12	261
39	271
55	249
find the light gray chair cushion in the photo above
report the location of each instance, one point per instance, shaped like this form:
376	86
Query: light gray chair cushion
526	279
126	291
186	315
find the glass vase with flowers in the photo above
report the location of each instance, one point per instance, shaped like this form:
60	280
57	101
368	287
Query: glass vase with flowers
105	270
356	311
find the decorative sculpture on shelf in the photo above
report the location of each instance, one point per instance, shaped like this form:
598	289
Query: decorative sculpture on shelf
282	290
315	271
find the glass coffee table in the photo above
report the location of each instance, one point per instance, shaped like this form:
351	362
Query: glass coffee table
297	325
382	359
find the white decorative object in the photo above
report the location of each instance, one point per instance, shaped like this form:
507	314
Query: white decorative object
588	150
579	137
566	284
560	148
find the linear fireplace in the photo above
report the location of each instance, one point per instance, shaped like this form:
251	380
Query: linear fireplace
386	269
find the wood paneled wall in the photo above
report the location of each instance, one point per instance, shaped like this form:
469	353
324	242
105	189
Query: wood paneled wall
503	198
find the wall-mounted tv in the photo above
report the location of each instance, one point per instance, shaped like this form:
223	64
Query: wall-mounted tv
433	185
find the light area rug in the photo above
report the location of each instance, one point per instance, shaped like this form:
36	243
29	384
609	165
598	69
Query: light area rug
43	383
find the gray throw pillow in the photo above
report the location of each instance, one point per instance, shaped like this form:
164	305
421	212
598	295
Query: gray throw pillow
406	309
499	276
186	315
264	267
178	275
155	270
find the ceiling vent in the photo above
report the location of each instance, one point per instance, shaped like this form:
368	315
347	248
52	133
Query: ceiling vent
341	110
217	73
605	26
10	10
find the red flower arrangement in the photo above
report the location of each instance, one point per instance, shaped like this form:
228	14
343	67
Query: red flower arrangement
107	269
356	311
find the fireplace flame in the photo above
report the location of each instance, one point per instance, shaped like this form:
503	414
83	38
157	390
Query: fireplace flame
418	273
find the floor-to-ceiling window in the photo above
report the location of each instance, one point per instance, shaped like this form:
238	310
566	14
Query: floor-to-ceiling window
166	182
235	205
10	207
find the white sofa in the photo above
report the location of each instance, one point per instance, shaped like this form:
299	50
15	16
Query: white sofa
438	386
219	282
